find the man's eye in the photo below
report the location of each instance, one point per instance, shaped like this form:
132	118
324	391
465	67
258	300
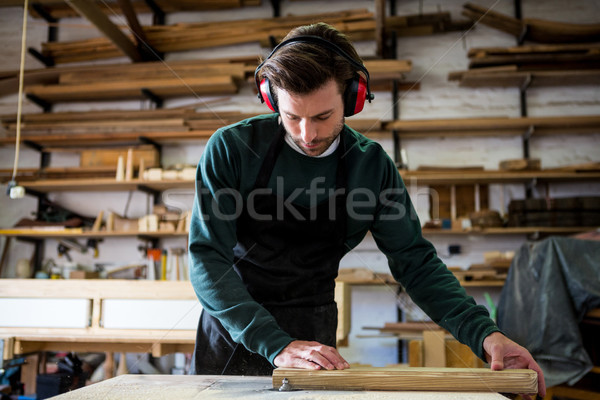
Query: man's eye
323	118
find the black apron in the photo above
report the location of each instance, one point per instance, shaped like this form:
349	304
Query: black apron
288	257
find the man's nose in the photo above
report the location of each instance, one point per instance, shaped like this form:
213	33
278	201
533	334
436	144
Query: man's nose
307	131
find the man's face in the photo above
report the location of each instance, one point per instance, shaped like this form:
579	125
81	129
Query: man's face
313	120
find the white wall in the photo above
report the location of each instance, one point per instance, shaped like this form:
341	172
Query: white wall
433	57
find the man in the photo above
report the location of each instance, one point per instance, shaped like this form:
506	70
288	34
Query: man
281	198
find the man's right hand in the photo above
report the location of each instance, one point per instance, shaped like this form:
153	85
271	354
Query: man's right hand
310	355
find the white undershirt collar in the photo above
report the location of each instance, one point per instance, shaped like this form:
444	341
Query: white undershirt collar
329	151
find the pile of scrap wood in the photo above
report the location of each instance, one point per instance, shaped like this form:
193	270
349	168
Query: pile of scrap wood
494	268
57	9
537	65
532	29
357	24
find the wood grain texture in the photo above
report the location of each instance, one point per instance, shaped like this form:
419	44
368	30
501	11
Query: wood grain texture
425	379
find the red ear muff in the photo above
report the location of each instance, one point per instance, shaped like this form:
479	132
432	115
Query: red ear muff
355	96
266	96
357	90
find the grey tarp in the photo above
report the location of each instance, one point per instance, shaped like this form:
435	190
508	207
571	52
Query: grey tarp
550	286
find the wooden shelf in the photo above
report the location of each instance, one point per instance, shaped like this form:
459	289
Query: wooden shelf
482	283
78	233
494	126
410	177
493	176
104	185
525	230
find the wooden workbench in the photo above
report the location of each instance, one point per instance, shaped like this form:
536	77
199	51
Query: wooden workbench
155	387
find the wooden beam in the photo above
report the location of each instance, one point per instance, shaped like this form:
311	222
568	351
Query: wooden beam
421	379
94	14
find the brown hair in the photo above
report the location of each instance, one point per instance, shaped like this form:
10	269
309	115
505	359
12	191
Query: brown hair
302	67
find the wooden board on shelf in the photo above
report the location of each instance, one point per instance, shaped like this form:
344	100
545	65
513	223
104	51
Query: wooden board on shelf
163	88
188	36
537	30
425	379
473	78
494	126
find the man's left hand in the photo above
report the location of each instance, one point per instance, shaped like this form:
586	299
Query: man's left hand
501	352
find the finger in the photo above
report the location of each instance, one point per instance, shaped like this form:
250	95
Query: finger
334	357
305	364
541	382
497	362
318	356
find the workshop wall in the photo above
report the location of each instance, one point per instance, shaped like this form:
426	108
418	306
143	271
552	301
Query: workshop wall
433	57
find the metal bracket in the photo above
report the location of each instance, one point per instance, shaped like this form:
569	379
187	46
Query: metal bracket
526	83
158	101
47	61
523	34
147	140
43	104
159	14
52	29
527	135
276	8
153	192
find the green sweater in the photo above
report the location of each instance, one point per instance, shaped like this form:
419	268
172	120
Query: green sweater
377	201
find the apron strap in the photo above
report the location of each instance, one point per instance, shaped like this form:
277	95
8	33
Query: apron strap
264	174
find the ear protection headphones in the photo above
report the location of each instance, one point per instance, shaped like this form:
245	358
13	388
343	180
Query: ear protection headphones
357	89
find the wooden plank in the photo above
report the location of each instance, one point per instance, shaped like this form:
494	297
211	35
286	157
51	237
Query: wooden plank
434	348
343	299
90	288
422	379
132	89
537	30
541	125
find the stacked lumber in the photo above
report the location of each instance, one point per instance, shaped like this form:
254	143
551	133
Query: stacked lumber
60	9
555	212
494	126
179	76
71	129
357	24
538	65
532	29
481	273
424	24
537	57
67	129
126	81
